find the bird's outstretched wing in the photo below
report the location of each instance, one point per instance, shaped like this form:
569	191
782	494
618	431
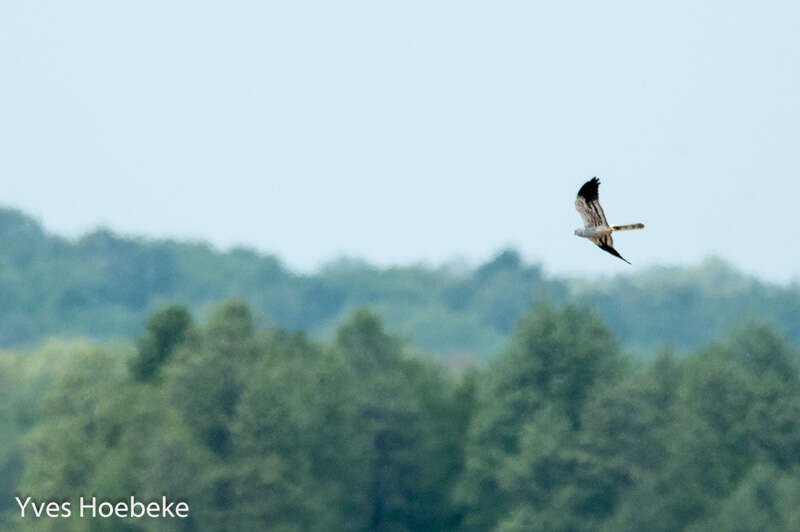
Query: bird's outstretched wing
588	204
606	243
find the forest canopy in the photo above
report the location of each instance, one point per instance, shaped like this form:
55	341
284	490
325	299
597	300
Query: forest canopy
260	428
104	285
392	399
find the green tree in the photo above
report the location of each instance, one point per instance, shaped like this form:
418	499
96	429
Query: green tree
166	330
765	500
407	432
557	357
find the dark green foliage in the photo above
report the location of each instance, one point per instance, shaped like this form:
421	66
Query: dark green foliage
409	431
260	428
522	453
687	307
165	331
105	285
765	500
257	428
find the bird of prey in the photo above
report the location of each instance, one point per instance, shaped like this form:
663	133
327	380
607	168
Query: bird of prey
595	225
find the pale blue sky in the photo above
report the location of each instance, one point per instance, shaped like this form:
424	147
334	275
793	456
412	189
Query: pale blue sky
410	131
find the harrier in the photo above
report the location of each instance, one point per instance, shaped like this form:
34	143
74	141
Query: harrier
595	225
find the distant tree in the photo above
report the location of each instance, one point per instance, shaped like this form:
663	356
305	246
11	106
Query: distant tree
206	380
292	461
556	359
166	330
736	407
506	260
264	428
408	431
765	500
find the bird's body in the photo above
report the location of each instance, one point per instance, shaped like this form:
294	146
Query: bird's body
602	230
595	226
593	232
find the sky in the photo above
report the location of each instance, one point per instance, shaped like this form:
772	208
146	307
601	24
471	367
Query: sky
415	131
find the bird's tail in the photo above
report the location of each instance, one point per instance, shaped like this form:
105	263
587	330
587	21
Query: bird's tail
628	227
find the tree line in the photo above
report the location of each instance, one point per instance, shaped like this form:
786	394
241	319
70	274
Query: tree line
262	428
103	285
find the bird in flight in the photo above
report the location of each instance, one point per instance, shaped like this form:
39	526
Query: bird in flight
595	225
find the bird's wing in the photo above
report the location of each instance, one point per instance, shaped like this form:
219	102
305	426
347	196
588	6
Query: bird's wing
588	204
606	243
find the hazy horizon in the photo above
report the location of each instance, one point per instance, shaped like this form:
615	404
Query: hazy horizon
410	133
454	264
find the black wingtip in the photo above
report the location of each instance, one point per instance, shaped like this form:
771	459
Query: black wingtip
589	189
613	251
